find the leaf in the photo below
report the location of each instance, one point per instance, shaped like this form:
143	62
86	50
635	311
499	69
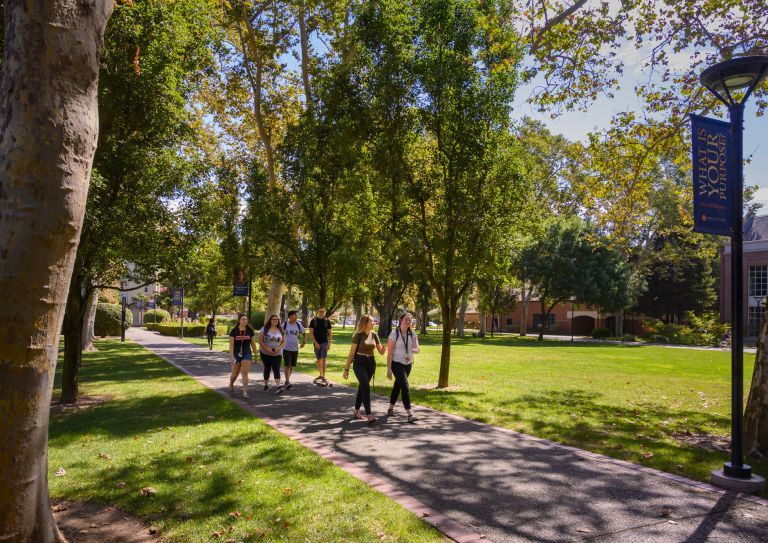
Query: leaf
120	485
105	456
61	472
147	491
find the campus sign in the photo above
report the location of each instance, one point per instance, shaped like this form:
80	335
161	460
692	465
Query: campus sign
177	295
712	185
240	284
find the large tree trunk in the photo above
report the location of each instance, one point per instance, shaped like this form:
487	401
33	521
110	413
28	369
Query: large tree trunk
544	319
357	304
481	326
425	291
462	316
386	309
89	320
449	316
274	298
48	134
525	298
73	345
304	310
756	413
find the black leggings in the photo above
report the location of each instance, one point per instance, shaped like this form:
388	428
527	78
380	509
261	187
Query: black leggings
364	368
271	362
210	341
401	373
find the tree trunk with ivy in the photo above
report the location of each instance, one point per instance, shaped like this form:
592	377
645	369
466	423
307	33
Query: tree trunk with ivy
756	413
48	134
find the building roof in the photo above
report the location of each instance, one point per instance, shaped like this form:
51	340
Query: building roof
756	228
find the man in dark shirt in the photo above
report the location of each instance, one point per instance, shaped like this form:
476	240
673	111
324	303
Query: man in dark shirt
322	335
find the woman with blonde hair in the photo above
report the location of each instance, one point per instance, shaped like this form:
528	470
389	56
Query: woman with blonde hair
361	356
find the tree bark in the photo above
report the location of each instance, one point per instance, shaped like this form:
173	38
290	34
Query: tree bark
619	323
462	316
275	297
525	300
756	413
449	315
304	310
48	134
89	320
386	309
481	326
357	304
544	319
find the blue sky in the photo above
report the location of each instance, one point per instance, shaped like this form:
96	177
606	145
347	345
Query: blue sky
576	125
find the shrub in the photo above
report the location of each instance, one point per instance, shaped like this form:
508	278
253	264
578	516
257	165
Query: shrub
257	319
601	333
109	296
109	318
706	328
156	315
151	326
190	330
628	337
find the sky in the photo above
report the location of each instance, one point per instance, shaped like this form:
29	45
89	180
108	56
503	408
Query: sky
576	125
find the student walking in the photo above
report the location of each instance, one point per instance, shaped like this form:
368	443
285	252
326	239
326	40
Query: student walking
322	335
364	341
271	342
401	346
292	329
241	346
210	333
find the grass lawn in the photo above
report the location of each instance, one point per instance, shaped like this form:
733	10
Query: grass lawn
624	401
214	467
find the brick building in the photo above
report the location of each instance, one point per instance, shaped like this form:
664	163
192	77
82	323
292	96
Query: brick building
755	274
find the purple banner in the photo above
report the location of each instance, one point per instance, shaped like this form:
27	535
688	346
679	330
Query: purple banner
712	186
177	294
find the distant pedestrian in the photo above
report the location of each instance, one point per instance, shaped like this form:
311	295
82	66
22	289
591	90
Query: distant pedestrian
210	333
241	346
292	329
271	343
361	357
322	335
401	346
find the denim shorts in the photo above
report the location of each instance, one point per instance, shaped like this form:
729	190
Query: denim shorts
322	352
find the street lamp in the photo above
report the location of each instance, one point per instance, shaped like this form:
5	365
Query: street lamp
732	82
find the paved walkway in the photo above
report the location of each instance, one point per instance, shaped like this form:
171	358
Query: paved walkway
469	478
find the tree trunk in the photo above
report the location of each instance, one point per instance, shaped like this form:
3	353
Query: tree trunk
89	320
73	344
425	291
274	298
493	323
357	303
543	319
619	323
48	134
462	316
449	314
386	311
287	302
756	413
304	310
525	299
481	326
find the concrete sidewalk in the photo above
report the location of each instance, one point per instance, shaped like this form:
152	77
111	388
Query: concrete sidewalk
495	482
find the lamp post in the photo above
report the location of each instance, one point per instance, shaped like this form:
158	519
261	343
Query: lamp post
732	82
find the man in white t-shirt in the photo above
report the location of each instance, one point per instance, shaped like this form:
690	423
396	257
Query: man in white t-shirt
292	329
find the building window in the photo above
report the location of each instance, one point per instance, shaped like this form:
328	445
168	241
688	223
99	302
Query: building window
509	322
538	319
758	281
753	319
146	289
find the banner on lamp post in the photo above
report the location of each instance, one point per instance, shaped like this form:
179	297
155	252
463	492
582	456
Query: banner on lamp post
240	283
177	294
712	185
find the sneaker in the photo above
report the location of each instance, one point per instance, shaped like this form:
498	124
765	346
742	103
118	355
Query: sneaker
266	387
288	386
324	381
245	394
279	390
391	413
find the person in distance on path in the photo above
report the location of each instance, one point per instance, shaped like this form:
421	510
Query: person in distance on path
210	333
401	346
292	329
241	346
364	342
322	335
271	342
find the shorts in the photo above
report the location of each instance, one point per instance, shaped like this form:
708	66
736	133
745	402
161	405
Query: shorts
240	358
290	358
322	352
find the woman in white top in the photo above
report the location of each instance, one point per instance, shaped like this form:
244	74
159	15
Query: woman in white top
271	343
401	346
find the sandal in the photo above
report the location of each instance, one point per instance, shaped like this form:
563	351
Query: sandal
358	416
371	419
391	413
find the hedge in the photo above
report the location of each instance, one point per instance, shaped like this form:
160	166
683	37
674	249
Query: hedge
109	318
190	330
601	333
156	315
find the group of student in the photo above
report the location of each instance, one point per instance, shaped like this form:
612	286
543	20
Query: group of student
282	341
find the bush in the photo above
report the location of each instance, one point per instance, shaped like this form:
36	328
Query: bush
601	333
151	326
257	319
109	296
628	337
156	315
109	318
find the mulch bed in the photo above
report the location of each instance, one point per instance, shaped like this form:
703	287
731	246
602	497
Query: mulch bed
92	523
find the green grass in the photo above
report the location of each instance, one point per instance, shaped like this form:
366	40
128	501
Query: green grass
206	458
620	400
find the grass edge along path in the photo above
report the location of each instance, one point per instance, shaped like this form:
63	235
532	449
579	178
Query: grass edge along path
216	472
642	404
